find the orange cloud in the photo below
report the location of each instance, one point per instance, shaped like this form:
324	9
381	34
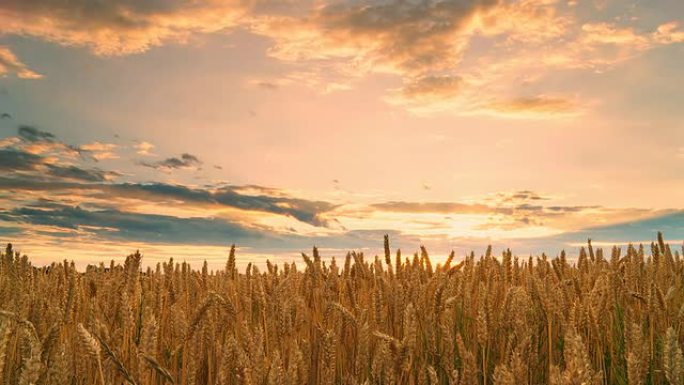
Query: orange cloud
144	148
667	34
118	27
448	55
427	92
534	106
101	151
10	64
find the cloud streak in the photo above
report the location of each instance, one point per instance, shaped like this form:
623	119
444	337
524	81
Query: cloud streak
307	211
184	161
119	225
11	65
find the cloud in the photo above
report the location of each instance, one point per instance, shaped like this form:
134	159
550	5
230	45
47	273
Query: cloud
520	196
143	148
668	33
498	203
516	210
33	135
534	106
36	171
623	232
14	160
100	151
433	207
448	55
428	90
232	196
425	43
80	224
81	174
11	65
118	27
9	231
119	225
35	141
671	224
184	161
303	210
414	39
267	85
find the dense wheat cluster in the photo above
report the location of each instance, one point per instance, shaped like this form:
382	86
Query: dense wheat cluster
490	320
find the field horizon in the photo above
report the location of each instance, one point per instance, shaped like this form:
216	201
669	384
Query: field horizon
571	254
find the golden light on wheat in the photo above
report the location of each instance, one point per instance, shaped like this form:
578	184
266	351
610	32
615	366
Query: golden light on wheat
613	318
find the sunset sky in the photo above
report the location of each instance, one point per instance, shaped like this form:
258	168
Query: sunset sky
179	127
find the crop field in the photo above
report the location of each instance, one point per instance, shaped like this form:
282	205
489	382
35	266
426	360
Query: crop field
599	317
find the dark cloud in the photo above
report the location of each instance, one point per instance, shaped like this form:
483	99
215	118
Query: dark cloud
671	224
5	115
118	225
9	231
32	134
184	161
17	160
303	210
306	211
12	160
416	36
523	195
641	230
569	209
529	207
115	225
81	174
268	85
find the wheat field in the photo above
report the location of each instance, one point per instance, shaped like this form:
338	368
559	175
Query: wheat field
602	319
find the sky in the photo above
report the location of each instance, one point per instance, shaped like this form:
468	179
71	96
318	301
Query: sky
181	127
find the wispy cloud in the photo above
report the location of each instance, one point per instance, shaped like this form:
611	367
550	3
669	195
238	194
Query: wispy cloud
81	174
184	161
144	148
39	154
101	151
14	160
33	135
38	142
239	197
519	210
115	224
536	106
11	65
